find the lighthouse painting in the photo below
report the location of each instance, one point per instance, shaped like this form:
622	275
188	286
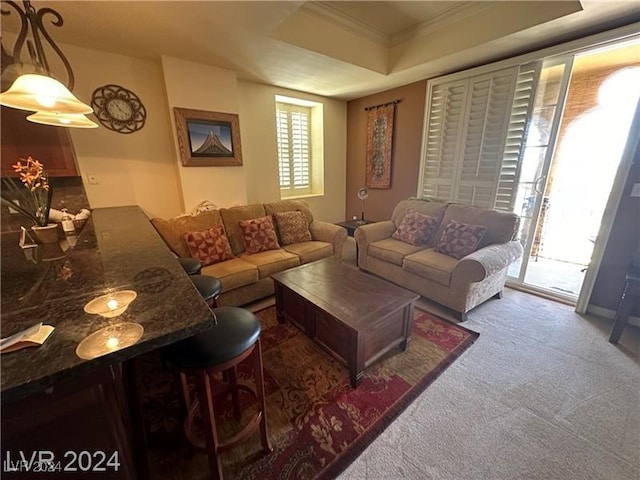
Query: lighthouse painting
208	138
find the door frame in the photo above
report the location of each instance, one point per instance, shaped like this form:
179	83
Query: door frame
631	148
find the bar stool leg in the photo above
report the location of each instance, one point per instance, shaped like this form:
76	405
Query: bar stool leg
205	397
185	391
622	317
232	374
264	437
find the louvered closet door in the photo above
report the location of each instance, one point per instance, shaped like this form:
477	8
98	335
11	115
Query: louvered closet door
441	146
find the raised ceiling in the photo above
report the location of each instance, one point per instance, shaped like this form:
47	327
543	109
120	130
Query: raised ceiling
338	49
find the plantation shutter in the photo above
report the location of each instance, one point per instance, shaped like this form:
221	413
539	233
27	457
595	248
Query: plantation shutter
444	126
474	125
486	121
516	136
294	147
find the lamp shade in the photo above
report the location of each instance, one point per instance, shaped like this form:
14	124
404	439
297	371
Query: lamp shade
42	93
56	119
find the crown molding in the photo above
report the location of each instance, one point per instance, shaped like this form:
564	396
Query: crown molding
326	11
448	17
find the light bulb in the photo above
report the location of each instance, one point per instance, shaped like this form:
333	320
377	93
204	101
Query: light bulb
46	100
112	304
112	342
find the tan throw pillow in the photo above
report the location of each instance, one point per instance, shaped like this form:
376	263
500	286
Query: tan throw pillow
172	230
415	228
460	239
209	246
293	227
258	235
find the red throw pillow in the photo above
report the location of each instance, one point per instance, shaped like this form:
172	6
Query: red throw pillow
209	246
460	239
415	228
258	235
293	227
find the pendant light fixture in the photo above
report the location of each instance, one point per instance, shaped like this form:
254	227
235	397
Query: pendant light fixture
55	119
35	88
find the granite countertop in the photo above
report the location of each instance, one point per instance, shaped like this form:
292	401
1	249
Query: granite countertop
118	249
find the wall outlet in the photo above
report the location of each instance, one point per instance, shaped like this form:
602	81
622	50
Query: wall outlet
635	191
92	179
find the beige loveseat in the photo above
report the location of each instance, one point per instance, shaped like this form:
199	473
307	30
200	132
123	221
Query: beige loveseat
246	278
458	284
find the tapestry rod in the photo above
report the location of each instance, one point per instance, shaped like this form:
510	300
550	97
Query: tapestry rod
383	105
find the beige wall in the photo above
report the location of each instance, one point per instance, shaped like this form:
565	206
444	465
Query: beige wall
136	168
144	167
202	87
257	122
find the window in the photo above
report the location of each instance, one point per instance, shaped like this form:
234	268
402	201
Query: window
293	127
475	134
474	124
299	138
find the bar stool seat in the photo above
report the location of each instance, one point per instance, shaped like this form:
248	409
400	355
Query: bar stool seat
209	287
190	265
235	336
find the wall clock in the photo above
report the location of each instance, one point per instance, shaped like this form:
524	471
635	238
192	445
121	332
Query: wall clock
118	109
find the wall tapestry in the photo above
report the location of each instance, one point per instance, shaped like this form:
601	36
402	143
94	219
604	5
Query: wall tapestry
379	146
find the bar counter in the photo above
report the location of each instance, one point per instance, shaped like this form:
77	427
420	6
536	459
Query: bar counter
118	249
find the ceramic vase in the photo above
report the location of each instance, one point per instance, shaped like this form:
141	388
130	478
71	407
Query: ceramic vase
46	234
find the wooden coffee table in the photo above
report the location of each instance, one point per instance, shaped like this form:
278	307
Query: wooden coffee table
355	316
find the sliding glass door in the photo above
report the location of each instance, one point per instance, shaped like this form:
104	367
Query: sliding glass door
503	136
535	159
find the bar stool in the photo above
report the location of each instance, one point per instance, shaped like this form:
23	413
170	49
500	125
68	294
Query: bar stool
629	299
219	350
209	287
190	265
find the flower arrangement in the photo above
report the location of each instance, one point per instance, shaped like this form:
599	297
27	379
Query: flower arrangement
36	202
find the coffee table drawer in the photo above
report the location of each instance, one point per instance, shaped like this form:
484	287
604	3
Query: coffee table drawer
332	334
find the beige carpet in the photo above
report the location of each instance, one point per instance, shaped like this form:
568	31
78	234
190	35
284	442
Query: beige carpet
541	395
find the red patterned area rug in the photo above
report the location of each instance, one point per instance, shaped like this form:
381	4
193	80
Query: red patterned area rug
317	423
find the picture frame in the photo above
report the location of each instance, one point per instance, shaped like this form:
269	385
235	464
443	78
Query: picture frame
208	139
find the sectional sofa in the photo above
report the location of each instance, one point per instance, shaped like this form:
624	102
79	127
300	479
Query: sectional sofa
245	276
457	283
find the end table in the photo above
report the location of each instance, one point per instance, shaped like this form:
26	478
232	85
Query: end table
351	225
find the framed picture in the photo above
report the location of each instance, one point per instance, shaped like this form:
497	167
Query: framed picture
208	139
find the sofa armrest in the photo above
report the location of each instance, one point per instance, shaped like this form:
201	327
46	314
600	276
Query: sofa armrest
328	232
482	263
372	232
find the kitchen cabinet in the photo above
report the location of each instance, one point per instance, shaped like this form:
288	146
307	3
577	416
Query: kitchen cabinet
52	146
